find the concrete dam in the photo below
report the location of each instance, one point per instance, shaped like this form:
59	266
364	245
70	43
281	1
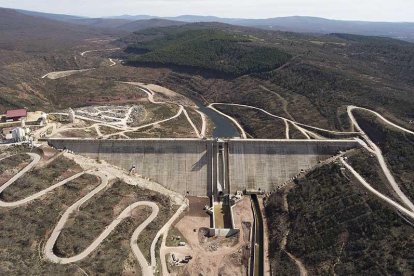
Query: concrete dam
198	166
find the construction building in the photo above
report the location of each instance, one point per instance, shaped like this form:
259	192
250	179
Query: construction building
15	115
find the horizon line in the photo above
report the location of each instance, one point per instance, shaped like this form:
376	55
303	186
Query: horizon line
198	15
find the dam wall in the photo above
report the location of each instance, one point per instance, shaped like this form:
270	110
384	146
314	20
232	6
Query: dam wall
189	166
179	165
266	164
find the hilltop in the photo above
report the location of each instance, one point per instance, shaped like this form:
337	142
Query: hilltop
31	33
207	49
299	24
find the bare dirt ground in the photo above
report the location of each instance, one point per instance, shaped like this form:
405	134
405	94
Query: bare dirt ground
165	94
215	255
48	153
196	205
62	74
11	168
110	259
130	121
243	220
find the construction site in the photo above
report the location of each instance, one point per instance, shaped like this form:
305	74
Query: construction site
224	171
182	187
215	185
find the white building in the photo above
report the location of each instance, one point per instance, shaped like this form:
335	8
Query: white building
71	115
19	134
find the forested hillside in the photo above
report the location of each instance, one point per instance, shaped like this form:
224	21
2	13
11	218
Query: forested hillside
313	77
317	76
209	49
335	227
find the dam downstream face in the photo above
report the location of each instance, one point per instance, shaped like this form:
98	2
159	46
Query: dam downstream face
187	166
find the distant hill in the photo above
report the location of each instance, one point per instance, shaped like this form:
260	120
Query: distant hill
121	23
199	18
301	24
403	31
20	31
58	17
126	24
149	23
306	24
132	17
105	23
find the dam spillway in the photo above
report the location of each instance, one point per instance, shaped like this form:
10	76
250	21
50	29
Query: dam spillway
189	166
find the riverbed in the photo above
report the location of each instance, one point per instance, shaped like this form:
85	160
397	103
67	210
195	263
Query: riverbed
223	127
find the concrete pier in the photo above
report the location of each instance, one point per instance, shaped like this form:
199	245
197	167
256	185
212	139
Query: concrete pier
189	166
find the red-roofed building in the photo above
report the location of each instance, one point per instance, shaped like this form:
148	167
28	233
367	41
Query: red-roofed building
16	114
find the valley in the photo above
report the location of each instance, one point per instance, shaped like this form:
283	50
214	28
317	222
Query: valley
172	148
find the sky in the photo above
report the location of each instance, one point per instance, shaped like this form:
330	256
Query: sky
367	10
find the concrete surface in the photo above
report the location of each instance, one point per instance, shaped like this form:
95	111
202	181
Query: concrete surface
265	164
185	165
178	164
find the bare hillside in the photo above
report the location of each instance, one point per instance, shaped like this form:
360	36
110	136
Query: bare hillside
24	32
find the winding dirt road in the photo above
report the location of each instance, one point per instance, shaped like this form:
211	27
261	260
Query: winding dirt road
121	124
91	51
301	267
352	107
113	63
374	191
151	95
36	158
164	233
297	125
204	123
127	212
378	153
148	269
61	74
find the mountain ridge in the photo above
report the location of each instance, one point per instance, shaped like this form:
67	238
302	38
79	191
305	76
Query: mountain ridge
299	24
